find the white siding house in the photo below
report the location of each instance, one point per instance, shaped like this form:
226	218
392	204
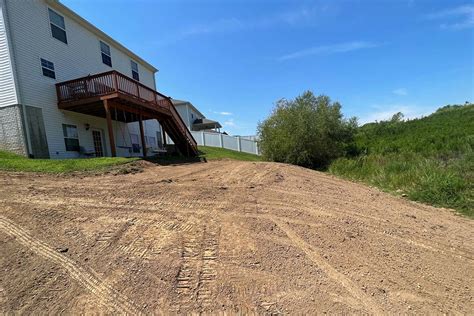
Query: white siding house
193	118
42	42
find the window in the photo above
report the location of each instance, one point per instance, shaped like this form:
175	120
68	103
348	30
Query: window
150	141
135	74
71	138
48	68
135	143
58	27
160	139
105	52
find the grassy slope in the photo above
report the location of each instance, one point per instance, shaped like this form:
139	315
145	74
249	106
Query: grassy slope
12	162
211	153
429	159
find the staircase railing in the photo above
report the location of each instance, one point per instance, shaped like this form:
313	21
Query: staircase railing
115	82
182	126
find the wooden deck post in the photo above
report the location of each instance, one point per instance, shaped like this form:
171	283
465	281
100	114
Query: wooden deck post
142	136
110	128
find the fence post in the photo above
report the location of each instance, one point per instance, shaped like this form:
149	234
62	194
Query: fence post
256	148
203	137
239	146
221	140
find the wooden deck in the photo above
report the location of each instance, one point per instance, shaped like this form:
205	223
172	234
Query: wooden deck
114	96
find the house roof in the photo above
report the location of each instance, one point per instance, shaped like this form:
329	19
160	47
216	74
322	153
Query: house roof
182	103
89	26
206	123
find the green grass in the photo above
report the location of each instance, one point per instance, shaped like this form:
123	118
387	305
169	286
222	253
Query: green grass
213	153
431	160
12	162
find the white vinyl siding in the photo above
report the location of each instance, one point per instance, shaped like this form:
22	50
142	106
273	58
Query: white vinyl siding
8	95
187	114
150	141
150	128
30	24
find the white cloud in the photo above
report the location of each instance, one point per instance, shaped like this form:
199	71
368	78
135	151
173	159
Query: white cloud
385	112
457	18
400	91
329	49
222	25
223	113
232	24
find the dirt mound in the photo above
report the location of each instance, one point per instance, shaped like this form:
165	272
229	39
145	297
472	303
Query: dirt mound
226	236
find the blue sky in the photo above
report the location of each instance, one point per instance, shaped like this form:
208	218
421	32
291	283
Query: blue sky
234	59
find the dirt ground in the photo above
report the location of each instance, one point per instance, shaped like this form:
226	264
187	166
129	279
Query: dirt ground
228	237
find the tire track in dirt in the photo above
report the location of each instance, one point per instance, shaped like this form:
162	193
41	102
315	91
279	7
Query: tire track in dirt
336	202
198	271
275	204
186	206
208	273
104	293
186	278
271	217
184	172
314	256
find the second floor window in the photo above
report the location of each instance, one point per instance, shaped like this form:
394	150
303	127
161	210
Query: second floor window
58	27
135	74
48	68
105	52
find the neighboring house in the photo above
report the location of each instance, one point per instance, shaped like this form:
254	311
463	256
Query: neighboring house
193	118
69	90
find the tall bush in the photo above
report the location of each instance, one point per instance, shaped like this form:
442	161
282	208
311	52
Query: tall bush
309	131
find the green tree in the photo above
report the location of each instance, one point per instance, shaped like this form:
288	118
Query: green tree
308	131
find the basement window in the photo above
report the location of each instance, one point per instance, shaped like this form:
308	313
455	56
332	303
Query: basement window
48	68
135	74
135	143
105	52
71	137
58	27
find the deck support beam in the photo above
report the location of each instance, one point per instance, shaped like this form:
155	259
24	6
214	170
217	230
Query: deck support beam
110	128
142	136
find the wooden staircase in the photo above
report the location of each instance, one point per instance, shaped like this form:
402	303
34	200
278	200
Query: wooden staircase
97	94
174	126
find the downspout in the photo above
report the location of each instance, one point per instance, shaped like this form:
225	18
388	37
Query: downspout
26	130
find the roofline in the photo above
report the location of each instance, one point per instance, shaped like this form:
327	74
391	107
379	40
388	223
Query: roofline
89	26
183	102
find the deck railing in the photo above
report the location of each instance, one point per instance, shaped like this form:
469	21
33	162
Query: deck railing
115	82
107	83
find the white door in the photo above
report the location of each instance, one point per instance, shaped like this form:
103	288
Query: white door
98	143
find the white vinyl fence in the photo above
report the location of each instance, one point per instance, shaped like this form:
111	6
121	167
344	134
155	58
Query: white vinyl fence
225	141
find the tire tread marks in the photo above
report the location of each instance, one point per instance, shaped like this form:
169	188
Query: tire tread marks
88	279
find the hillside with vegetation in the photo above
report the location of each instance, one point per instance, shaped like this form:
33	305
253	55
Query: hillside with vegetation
429	160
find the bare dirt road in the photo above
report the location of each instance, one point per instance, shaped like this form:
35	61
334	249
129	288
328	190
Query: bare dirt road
226	236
